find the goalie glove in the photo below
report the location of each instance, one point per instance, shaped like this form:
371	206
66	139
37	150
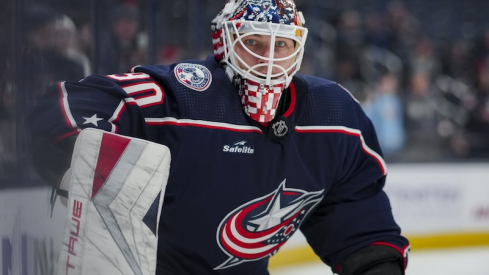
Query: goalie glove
116	193
373	260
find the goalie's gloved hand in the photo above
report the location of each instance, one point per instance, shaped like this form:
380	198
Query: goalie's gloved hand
52	160
373	260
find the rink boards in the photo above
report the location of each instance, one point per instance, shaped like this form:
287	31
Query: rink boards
437	206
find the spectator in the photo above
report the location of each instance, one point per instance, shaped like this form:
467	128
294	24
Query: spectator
42	58
7	128
376	29
478	125
66	41
125	46
458	62
7	98
421	120
482	49
424	61
386	112
403	30
349	46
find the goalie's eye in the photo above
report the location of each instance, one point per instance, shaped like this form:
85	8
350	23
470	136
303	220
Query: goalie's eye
281	44
250	42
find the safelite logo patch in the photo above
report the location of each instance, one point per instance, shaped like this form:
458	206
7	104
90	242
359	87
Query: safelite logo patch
194	76
239	147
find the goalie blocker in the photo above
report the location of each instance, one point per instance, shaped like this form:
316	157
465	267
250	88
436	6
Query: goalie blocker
116	190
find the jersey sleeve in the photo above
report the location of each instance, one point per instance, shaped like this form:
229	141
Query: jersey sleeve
111	103
355	212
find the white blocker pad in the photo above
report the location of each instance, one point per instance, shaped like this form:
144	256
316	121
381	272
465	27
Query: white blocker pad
115	198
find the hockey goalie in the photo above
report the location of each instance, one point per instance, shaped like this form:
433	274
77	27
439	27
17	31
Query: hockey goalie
116	187
259	153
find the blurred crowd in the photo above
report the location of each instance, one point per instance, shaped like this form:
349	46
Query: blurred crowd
428	99
50	41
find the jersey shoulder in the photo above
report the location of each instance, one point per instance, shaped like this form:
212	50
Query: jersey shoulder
194	74
328	103
320	87
201	90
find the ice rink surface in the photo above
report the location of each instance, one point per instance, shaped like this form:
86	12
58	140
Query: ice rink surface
473	261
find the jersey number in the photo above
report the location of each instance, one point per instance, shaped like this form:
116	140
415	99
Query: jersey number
145	94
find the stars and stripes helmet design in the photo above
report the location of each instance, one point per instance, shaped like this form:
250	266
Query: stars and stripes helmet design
260	85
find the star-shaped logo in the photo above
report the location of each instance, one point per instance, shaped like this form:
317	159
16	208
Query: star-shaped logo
93	120
260	227
274	215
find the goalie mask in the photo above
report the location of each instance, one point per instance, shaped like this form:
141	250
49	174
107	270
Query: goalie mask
261	42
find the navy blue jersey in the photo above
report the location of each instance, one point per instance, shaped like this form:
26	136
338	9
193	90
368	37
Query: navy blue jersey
238	190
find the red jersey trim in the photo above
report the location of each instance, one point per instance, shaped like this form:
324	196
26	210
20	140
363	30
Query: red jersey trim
293	100
202	124
346	131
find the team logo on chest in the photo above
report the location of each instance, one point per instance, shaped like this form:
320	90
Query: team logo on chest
194	76
259	228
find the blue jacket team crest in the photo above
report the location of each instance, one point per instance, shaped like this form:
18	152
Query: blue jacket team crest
194	76
259	228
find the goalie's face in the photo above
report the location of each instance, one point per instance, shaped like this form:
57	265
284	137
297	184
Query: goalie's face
258	53
261	44
263	52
